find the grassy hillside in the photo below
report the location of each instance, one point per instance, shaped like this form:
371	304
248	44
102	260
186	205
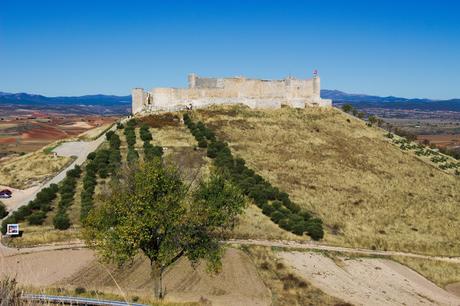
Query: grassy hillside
369	192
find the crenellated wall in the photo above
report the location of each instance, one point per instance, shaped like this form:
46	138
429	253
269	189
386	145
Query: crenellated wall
255	93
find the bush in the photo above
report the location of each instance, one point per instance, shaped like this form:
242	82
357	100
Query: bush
267	209
91	156
80	290
347	108
61	221
202	143
299	228
120	126
277	216
37	218
3	211
314	228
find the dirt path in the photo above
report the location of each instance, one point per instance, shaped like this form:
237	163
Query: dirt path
311	245
306	245
367	281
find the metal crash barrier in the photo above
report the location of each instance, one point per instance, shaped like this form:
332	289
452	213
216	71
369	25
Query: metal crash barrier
67	300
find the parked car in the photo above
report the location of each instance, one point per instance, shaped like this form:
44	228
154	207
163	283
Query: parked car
5	194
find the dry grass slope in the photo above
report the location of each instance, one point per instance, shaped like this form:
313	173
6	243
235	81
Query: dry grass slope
28	170
369	193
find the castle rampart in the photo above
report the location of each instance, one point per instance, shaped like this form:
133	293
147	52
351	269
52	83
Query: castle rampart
255	93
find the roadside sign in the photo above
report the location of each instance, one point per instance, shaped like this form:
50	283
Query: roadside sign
12	229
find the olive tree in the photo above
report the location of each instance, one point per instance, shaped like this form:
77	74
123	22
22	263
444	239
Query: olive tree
152	211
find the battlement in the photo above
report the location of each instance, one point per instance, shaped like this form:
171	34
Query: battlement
255	93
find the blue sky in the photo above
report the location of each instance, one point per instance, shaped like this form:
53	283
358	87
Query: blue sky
70	47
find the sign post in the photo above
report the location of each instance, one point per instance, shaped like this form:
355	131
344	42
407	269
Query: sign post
12	229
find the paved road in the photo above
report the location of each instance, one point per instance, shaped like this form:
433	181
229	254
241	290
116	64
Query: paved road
79	149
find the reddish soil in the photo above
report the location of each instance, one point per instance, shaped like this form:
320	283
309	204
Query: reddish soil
8	140
161	120
27	134
443	140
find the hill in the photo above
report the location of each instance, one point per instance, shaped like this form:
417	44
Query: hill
390	102
81	105
368	192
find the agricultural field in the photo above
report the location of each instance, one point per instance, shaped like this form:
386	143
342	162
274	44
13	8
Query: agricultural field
28	133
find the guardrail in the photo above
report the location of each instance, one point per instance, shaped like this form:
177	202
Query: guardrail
68	300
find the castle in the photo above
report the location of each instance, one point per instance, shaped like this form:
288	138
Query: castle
202	92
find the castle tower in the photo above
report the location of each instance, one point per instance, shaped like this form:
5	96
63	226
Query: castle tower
316	86
191	80
138	98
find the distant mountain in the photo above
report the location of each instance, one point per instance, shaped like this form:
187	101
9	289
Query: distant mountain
25	98
121	105
89	104
367	101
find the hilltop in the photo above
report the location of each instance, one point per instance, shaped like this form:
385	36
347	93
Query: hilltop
368	191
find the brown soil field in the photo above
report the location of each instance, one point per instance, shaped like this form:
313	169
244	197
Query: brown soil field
24	135
368	192
442	140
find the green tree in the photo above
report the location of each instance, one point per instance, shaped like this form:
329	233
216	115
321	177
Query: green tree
347	108
153	212
372	119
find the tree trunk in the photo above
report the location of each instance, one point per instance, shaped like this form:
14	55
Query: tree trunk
157	275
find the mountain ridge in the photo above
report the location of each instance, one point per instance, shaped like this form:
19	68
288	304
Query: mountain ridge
338	97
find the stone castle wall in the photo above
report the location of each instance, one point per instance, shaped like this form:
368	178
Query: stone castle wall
254	93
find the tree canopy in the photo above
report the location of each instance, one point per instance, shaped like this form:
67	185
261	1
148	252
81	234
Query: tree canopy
152	211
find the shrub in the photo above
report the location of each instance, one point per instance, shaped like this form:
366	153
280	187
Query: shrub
80	290
3	211
109	134
202	143
37	218
10	293
347	108
285	224
120	126
299	228
314	229
276	216
61	221
91	156
267	209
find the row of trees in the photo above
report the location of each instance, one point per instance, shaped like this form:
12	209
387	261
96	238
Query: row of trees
102	162
348	108
150	151
35	211
273	202
130	133
61	220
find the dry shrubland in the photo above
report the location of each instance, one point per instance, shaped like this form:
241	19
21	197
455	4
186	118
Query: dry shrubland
369	193
25	171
